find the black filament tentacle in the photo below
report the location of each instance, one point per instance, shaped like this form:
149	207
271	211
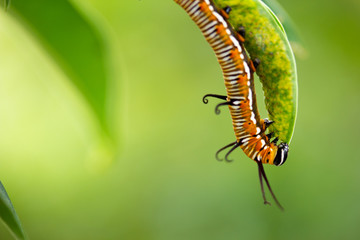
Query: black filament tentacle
205	100
223	148
217	110
232	149
261	183
268	185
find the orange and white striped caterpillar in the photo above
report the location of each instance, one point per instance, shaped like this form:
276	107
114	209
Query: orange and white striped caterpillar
238	72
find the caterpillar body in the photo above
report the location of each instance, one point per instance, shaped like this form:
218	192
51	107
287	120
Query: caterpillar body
238	72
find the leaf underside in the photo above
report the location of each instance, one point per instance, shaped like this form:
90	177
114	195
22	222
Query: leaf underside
266	40
291	30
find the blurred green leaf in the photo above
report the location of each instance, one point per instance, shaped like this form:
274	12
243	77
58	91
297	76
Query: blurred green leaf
267	41
7	4
8	214
74	43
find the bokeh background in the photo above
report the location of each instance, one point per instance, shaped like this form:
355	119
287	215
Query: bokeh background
164	182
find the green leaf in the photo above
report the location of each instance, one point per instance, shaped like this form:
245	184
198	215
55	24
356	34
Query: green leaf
8	214
280	15
267	41
76	46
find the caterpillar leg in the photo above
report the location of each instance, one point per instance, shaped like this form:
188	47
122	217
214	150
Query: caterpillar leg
241	33
256	62
223	148
205	100
270	135
267	122
225	12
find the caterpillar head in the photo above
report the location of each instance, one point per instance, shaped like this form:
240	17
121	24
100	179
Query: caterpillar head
281	154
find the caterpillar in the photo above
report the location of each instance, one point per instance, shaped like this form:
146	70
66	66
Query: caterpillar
238	72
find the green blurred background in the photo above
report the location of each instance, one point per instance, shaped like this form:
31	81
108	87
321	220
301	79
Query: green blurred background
164	182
